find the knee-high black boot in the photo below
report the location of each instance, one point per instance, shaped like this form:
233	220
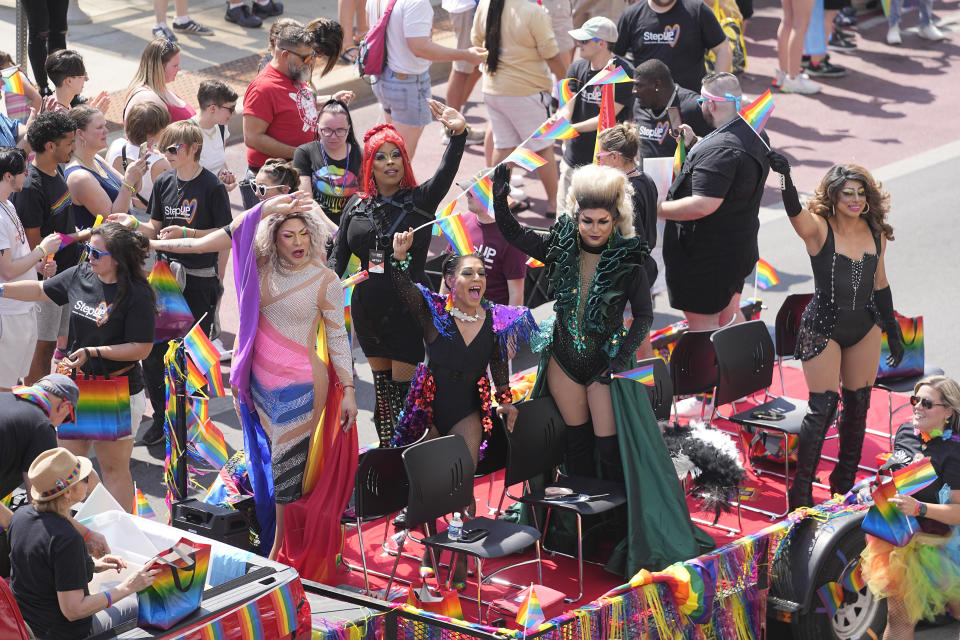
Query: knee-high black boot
822	407
608	452
851	427
398	396
578	460
383	419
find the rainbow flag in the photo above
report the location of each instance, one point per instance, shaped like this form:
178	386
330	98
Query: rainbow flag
914	477
355	279
483	191
565	92
174	318
679	157
201	350
525	158
457	235
758	112
607	117
195	378
211	445
610	75
447	211
533	262
13	81
282	601
896	528
560	129
643	375
831	594
530	615
65	240
766	276
215	378
141	507
853	579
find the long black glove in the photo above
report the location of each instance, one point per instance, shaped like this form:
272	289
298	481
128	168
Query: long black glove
891	327
501	185
791	201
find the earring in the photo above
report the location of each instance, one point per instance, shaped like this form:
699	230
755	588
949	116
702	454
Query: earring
866	209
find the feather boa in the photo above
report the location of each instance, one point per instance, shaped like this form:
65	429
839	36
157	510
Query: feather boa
710	457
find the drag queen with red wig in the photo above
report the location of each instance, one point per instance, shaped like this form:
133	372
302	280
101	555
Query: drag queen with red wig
390	200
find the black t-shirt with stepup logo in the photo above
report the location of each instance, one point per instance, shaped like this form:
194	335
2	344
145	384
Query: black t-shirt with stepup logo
201	203
579	151
654	129
679	37
98	319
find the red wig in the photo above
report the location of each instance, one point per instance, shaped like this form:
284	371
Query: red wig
372	141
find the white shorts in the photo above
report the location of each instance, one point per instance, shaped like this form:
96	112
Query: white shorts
138	407
514	118
561	19
462	25
18	340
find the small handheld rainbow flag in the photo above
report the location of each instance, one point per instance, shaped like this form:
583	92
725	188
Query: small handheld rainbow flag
530	615
447	211
560	129
13	80
65	240
195	378
456	233
610	75
565	90
853	579
758	112
141	507
766	276
483	191
215	378
896	528
914	477
526	159
533	262
201	350
679	156
211	445
355	279
643	375
831	594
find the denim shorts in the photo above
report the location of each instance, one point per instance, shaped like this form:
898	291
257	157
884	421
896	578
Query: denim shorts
404	97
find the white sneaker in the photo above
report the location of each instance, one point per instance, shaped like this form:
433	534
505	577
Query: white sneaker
516	179
694	407
930	32
799	85
518	194
893	35
778	78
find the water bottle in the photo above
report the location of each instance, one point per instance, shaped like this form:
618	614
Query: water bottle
455	528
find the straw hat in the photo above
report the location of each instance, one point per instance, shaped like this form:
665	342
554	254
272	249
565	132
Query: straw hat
54	471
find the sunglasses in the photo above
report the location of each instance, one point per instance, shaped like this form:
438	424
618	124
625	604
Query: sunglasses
174	148
923	402
95	254
307	59
232	108
261	189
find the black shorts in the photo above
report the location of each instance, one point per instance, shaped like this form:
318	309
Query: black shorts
852	327
835	5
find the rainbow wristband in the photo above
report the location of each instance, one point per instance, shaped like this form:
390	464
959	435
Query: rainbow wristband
109	599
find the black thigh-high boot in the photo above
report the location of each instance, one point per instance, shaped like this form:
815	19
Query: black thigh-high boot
821	409
851	427
608	452
383	419
578	459
398	396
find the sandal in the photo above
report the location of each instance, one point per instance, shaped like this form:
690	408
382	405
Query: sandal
349	58
516	206
358	38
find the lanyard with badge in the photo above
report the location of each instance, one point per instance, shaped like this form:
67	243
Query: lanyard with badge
377	256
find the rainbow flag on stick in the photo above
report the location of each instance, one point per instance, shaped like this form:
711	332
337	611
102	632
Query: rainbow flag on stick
914	477
447	211
215	378
483	191
457	235
201	350
524	158
141	507
610	75
211	445
831	594
853	579
565	92
533	262
679	157
355	279
643	375
13	80
560	129
195	378
607	117
758	112
886	521
766	276
530	615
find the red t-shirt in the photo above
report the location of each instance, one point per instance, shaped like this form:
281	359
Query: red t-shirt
291	110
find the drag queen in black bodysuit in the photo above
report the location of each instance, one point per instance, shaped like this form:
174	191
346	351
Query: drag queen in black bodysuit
390	200
845	230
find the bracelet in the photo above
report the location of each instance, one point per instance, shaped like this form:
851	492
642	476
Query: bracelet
109	599
87	535
136	223
184	232
403	265
347	385
133	189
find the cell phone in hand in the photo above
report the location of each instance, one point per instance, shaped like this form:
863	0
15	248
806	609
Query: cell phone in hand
673	114
144	148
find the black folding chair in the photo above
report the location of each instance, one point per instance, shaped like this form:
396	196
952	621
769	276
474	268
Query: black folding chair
745	355
786	328
380	490
440	472
536	448
661	391
693	366
494	459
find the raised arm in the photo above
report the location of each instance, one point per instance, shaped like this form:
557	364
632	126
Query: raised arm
811	229
527	240
428	195
406	289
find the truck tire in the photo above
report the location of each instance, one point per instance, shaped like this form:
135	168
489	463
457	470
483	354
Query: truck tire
859	616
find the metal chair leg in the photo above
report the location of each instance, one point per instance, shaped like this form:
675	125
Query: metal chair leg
363	561
579	562
396	561
479	588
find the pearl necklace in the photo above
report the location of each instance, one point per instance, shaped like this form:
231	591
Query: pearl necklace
461	315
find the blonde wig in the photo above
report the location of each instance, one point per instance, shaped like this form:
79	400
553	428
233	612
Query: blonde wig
596	187
265	243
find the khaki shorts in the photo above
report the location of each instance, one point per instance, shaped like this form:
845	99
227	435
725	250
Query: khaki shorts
18	340
514	118
462	25
53	321
561	17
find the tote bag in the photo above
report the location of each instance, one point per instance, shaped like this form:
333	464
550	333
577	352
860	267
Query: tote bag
103	411
178	588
